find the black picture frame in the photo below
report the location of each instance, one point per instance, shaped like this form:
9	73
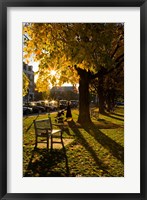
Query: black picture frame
4	4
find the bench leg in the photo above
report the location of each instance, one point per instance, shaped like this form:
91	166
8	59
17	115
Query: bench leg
47	140
47	143
62	139
36	142
51	142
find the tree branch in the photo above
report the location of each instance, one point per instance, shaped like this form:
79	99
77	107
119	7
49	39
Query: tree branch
117	46
26	37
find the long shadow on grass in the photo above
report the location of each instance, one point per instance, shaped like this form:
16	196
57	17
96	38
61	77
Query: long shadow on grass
115	149
31	124
25	117
109	115
44	163
66	130
82	140
119	115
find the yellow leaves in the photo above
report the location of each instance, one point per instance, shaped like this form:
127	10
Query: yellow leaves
30	43
25	56
27	61
24	30
42	83
25	84
84	65
59	45
37	52
25	49
47	42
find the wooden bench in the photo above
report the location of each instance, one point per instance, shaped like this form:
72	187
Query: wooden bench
45	129
94	113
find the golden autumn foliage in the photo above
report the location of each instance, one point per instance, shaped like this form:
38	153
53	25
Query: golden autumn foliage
78	52
61	46
25	84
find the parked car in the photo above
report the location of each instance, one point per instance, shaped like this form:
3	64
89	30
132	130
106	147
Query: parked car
73	103
27	110
120	103
62	104
44	105
53	105
53	108
36	108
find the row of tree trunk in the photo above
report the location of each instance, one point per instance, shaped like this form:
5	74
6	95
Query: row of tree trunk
84	101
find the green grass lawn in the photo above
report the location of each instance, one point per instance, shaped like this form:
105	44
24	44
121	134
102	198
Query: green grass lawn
91	150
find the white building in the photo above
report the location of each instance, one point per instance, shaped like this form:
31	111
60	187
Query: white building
28	70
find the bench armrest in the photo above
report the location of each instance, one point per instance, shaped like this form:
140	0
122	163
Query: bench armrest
57	124
43	129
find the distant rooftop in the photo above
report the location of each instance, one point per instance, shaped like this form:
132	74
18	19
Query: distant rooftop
63	88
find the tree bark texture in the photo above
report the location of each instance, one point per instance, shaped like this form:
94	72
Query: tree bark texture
101	95
84	114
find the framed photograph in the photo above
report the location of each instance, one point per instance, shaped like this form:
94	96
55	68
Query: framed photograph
72	99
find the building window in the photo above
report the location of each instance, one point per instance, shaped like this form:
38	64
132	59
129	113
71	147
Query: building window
30	68
24	67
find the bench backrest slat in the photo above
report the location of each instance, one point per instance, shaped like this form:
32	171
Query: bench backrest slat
44	123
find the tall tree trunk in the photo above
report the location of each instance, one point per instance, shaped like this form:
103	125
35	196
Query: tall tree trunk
109	104
101	95
84	114
110	99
